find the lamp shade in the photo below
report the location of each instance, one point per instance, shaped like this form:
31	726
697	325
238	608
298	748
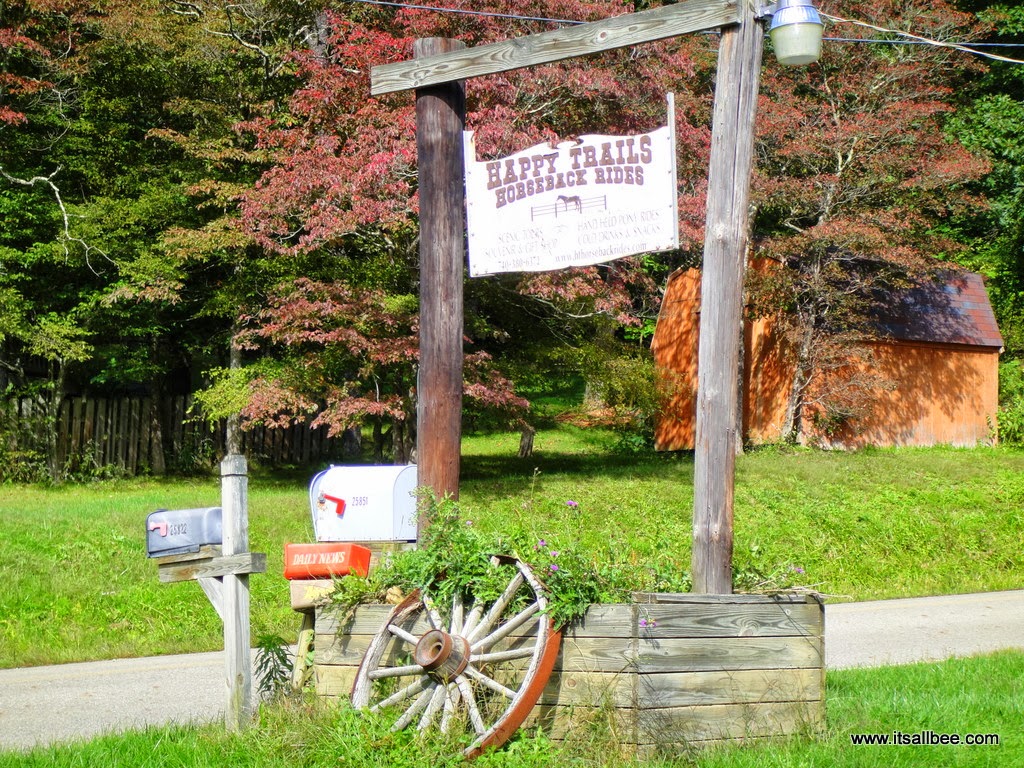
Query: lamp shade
795	32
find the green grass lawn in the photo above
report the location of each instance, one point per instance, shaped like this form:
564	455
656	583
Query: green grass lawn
983	695
873	524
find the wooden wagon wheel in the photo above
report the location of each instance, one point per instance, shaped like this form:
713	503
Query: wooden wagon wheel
481	671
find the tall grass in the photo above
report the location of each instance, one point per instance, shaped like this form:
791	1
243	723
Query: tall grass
963	696
874	524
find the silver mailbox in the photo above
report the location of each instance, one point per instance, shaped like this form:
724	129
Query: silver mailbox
180	531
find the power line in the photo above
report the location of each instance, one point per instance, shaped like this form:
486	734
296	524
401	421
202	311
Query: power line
923	40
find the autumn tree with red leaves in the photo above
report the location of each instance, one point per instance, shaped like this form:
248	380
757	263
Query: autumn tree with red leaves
855	174
345	163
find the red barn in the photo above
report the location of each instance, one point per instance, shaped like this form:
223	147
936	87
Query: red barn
937	350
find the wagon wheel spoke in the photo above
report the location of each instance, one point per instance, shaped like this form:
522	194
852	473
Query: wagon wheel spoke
451	702
478	670
497	608
402	695
381	673
485	658
472	619
407	636
471	705
506	629
421	703
487	682
436	702
457	616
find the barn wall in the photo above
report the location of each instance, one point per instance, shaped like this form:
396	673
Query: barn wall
675	353
942	395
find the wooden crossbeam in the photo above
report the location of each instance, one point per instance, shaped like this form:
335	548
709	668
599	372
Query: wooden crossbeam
227	565
546	47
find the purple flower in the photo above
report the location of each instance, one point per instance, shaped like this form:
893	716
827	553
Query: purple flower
572	504
469	523
798	569
643	622
554	553
553	567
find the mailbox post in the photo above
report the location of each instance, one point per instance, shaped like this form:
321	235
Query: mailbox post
211	546
234	485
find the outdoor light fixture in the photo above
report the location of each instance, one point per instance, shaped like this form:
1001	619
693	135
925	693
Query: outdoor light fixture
795	32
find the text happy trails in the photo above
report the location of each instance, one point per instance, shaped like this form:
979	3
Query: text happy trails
611	162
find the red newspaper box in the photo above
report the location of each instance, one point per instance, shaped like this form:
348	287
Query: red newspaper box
324	560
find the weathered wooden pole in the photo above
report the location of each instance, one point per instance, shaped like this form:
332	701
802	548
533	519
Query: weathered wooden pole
725	244
235	593
440	119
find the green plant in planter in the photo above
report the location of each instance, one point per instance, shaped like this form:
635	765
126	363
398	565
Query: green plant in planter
456	558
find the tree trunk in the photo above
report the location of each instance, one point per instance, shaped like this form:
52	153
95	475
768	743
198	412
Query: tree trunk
54	436
791	423
233	435
526	434
157	457
378	442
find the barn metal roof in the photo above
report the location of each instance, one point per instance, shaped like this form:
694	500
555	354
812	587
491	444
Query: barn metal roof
952	309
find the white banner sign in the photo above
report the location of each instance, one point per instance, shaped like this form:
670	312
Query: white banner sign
578	203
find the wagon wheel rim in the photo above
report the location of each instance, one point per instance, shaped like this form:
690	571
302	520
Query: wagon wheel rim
481	670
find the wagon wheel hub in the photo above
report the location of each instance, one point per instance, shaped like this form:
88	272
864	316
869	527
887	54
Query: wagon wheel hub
442	655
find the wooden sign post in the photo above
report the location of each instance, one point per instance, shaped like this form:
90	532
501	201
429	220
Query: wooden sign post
440	121
725	239
726	234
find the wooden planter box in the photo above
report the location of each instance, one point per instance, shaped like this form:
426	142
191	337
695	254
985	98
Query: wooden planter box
668	672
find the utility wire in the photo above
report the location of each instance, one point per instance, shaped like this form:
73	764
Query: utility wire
921	40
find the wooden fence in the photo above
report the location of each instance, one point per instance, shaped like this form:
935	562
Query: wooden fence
124	433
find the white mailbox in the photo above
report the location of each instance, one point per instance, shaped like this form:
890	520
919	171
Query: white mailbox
364	503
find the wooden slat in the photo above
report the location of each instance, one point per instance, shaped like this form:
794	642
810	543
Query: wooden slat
229	565
100	430
616	656
679	729
681	689
334	682
206	552
89	424
685	655
690	598
761	617
547	47
63	427
680	725
77	420
122	432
